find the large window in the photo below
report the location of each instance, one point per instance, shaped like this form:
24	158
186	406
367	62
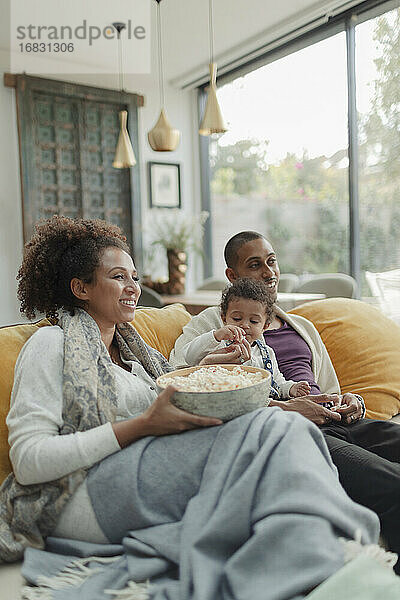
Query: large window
283	166
378	102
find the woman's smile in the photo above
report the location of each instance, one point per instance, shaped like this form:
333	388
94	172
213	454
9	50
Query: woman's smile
113	295
131	303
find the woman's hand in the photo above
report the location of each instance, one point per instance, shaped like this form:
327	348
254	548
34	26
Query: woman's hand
236	353
161	418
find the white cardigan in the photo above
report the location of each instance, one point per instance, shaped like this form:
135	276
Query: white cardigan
210	318
38	453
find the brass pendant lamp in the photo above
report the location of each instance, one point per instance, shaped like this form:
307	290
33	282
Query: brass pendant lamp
163	137
213	121
124	155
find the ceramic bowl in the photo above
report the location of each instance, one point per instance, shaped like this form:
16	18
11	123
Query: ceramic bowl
225	404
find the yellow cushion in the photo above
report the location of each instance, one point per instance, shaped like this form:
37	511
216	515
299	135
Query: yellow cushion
364	346
159	327
11	341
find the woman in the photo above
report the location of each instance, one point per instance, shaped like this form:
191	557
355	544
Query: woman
92	461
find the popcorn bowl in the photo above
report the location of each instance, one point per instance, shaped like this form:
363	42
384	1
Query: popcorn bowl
225	404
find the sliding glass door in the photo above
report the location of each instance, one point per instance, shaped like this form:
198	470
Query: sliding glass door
283	166
378	102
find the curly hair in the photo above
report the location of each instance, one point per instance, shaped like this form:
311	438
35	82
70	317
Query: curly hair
249	289
61	249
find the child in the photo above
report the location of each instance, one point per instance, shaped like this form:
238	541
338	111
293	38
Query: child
246	311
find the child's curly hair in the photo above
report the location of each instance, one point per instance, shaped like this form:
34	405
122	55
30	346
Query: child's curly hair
250	289
59	250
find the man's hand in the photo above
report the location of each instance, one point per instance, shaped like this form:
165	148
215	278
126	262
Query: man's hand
350	409
310	408
334	400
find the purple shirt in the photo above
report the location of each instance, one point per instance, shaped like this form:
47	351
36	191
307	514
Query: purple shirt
293	355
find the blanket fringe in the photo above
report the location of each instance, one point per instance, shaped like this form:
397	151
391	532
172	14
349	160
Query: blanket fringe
73	575
354	548
34	593
132	591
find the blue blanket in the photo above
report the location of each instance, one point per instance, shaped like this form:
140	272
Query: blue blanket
252	509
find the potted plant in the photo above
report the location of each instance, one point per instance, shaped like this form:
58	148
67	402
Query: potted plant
176	232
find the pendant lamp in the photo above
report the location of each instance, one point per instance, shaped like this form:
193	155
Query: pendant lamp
124	155
163	137
213	121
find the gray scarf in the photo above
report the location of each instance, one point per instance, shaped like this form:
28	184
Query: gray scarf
28	513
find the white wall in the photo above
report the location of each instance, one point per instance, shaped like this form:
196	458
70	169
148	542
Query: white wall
10	208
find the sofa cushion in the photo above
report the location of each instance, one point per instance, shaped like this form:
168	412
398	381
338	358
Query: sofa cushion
11	341
364	346
159	327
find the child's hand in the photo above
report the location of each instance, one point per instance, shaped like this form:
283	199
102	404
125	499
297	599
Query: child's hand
301	388
229	332
235	354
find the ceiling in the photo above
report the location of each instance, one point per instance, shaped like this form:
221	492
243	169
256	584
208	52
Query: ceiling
185	27
239	26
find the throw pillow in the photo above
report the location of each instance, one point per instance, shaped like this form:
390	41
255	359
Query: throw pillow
12	339
364	346
160	327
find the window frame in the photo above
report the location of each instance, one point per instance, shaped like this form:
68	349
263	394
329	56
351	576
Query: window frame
346	21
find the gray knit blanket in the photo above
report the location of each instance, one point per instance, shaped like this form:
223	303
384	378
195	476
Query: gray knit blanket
249	510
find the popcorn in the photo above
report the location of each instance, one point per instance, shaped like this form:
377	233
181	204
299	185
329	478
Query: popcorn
213	379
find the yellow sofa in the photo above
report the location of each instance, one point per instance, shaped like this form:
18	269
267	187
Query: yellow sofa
364	346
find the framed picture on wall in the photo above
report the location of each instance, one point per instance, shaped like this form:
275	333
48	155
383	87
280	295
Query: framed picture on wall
165	185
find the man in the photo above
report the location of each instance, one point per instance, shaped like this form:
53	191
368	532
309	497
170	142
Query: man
365	452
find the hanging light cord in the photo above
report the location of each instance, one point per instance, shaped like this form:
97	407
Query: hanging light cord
211	30
120	27
160	58
121	73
